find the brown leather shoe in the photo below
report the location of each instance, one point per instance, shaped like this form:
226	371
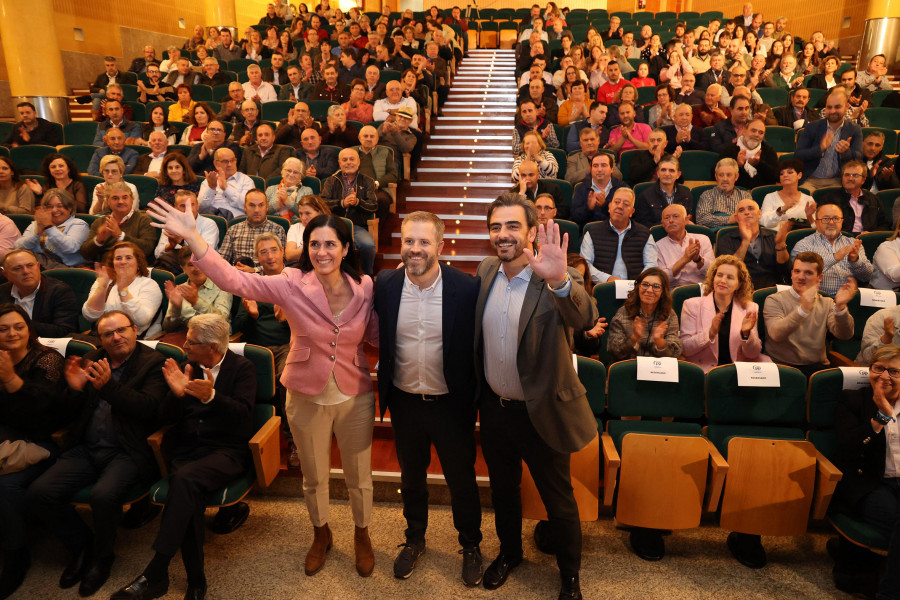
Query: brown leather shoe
315	558
365	558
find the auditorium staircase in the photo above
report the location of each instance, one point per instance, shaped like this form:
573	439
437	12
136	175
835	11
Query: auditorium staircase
466	163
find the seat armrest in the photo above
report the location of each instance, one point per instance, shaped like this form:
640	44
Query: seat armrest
373	230
827	477
159	442
61	437
716	478
392	190
266	450
611	464
407	165
839	360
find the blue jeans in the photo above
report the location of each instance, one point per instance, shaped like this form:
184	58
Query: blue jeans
97	97
366	246
881	509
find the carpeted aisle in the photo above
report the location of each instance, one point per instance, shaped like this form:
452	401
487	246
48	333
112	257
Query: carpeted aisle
264	560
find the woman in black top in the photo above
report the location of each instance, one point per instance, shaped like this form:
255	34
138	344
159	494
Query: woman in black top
32	407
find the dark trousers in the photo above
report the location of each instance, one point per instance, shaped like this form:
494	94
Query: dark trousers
13	503
114	476
183	524
508	438
810	369
881	509
417	425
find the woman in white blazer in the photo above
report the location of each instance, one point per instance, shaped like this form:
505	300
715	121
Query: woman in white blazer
719	327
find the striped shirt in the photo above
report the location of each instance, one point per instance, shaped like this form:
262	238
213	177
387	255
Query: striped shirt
836	272
715	207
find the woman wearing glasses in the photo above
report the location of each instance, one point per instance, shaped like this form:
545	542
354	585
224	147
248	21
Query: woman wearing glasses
719	327
646	325
868	446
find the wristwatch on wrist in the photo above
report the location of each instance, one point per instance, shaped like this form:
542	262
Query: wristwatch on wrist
882	418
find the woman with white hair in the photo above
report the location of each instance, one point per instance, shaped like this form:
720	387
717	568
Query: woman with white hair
284	195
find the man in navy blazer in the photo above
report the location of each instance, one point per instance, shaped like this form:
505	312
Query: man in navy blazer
426	376
825	145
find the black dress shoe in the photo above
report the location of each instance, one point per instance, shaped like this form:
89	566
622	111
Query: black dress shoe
570	588
195	592
140	513
543	537
498	572
95	576
78	564
647	543
747	549
229	518
142	589
15	566
83	99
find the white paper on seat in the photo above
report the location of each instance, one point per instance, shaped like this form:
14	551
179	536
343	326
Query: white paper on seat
58	344
757	374
149	343
575	362
237	348
623	286
877	298
653	368
855	377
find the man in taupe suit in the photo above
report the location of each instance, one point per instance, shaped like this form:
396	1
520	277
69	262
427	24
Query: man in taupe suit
532	405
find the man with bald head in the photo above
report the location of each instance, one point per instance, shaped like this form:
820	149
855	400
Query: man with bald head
376	161
244	132
351	194
826	145
150	163
762	250
290	129
618	248
531	186
224	189
685	257
320	162
114	143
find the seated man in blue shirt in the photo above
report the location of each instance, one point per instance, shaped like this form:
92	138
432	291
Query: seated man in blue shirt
114	141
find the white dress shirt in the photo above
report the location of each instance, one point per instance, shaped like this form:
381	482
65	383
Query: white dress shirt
27	303
265	91
207	228
892	445
231	198
419	349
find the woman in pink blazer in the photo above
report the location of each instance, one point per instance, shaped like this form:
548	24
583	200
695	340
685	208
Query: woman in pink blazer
719	327
328	305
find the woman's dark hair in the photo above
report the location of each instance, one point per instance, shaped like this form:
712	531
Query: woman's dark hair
633	301
210	113
189	175
792	163
74	175
350	263
16	175
8	307
165	113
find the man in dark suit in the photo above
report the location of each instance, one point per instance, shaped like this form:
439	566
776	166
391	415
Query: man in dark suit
682	134
794	114
119	388
687	94
53	307
531	187
531	404
757	160
320	162
149	164
827	144
31	129
139	65
111	74
852	197
427	378
276	74
211	404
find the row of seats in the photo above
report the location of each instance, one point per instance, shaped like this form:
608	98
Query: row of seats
82	132
844	351
264	445
759	455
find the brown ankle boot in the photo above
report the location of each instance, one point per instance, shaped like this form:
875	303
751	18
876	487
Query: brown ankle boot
315	558
365	558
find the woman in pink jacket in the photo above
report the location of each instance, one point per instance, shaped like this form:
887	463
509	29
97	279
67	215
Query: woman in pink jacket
719	327
328	305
